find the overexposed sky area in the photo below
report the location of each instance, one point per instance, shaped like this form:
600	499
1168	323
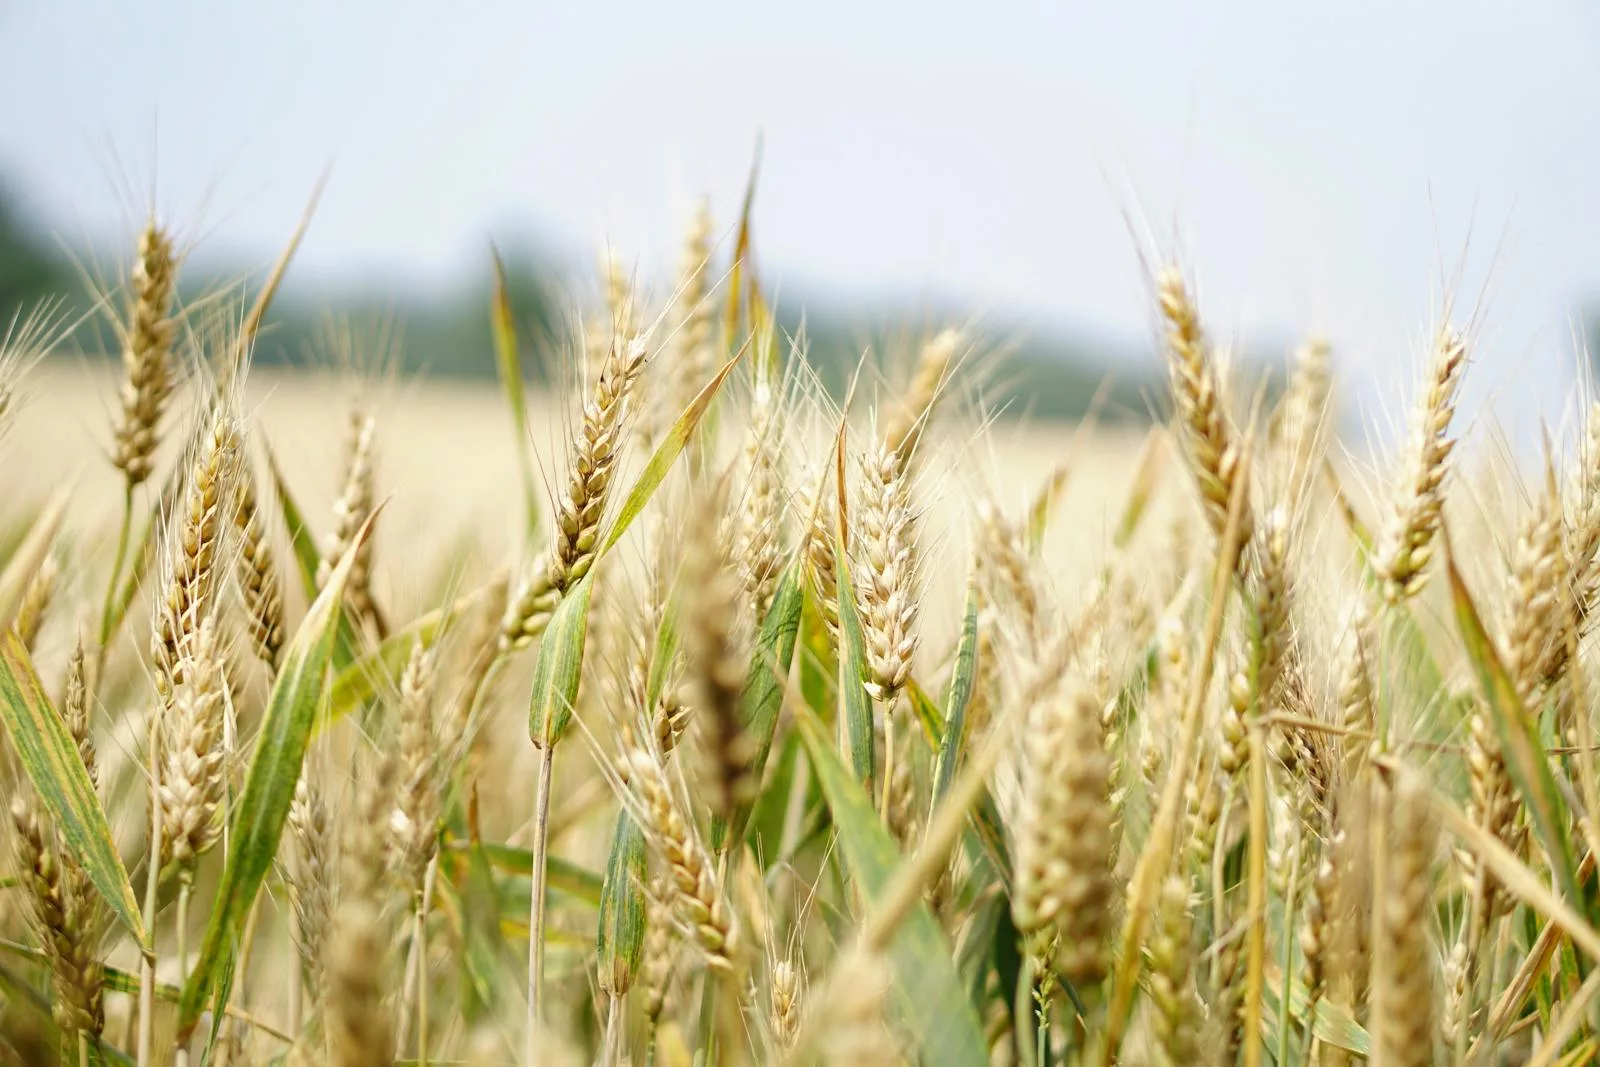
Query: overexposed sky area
1318	164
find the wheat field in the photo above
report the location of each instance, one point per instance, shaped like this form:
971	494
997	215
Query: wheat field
688	714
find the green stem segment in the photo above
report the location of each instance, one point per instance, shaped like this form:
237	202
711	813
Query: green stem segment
541	834
108	611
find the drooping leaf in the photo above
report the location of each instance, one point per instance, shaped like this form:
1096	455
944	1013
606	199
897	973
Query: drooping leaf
1524	753
957	700
510	368
359	681
855	703
30	555
49	757
298	695
928	992
765	683
619	943
308	559
559	667
1044	505
301	540
672	445
561	875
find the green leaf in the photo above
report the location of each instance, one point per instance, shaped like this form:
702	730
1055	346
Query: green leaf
50	757
666	454
765	683
510	368
619	943
661	656
30	555
855	704
561	875
1334	1025
298	695
358	682
21	998
306	556
308	559
1044	506
487	963
927	989
559	669
959	698
1519	738
929	717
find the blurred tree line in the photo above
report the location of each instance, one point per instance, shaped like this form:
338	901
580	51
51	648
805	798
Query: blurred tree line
447	334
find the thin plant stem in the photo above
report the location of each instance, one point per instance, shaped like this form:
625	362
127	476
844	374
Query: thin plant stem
181	1057
888	763
297	980
1285	1017
428	879
541	831
152	886
613	1045
123	532
1256	938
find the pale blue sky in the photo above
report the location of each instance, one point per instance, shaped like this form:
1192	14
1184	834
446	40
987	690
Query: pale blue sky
1320	162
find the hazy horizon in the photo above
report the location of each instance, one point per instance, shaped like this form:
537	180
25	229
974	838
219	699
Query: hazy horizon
1325	167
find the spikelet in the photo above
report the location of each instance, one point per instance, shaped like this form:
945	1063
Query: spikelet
655	973
1406	545
887	579
1315	932
1004	563
1302	427
915	410
312	887
1175	1006
1063	850
350	511
686	365
785	998
1585	527
593	458
759	519
595	450
147	339
1271	592
424	756
855	1033
357	1022
697	895
75	713
1356	699
192	772
717	664
1403	958
256	573
1209	437
191	553
821	571
1535	639
67	913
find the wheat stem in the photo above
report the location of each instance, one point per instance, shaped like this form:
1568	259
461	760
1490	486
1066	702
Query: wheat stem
541	841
